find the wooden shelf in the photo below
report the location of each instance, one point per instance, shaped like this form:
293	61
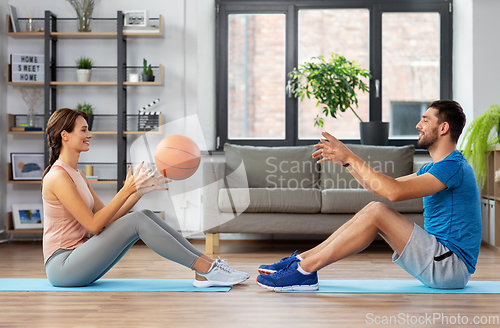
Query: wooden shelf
21	35
84	35
82	83
159	82
8	79
10	122
9	226
8	172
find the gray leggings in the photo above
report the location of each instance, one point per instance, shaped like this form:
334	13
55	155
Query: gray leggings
91	260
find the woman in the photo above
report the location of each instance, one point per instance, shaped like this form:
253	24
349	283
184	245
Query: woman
73	211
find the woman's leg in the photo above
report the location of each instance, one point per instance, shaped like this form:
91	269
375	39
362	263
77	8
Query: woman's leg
203	263
100	253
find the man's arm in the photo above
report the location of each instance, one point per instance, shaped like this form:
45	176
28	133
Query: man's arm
408	187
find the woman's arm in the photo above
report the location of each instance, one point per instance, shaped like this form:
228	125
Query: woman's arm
61	187
154	183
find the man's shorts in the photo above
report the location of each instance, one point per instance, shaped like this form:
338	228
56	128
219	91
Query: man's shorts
431	262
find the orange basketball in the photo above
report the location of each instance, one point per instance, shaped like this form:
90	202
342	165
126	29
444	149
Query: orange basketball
177	157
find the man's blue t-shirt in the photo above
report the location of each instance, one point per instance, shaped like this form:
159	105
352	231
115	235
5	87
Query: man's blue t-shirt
453	215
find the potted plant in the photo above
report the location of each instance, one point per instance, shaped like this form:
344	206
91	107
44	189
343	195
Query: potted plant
334	83
147	72
84	10
478	138
89	110
83	69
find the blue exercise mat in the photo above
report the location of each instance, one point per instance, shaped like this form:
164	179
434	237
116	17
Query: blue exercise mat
108	285
399	287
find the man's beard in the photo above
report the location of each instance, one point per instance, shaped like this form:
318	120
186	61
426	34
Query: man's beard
428	140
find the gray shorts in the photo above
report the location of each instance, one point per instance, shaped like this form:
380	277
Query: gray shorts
431	262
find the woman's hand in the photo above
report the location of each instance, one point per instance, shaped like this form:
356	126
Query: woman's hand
153	181
331	149
142	181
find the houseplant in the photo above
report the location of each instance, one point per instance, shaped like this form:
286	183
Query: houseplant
89	109
84	10
83	69
334	83
478	138
147	72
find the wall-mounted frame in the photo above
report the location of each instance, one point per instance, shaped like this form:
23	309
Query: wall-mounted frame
27	216
136	18
27	166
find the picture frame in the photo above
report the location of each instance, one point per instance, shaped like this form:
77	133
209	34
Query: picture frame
27	166
27	216
136	18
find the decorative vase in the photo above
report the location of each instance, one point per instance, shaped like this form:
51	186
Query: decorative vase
374	133
30	26
148	78
31	117
84	21
83	75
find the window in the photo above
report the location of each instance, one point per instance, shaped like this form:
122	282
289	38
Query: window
405	45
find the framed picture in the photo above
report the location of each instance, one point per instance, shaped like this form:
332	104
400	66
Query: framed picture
27	216
26	166
136	18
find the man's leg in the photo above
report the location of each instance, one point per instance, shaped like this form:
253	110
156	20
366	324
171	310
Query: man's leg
334	235
376	218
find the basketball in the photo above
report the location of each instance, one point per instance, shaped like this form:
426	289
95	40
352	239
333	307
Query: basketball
177	157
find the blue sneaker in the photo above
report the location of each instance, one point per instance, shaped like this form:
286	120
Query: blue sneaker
270	269
289	278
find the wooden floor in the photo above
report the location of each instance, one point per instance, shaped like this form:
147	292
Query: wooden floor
247	305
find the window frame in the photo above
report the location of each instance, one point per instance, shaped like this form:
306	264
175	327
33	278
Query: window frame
291	8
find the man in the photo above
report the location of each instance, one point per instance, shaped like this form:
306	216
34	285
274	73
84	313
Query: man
442	256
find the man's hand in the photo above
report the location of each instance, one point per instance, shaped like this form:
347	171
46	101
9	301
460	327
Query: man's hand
331	149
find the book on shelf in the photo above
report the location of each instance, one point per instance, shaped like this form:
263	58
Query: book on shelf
17	128
32	128
92	177
13	19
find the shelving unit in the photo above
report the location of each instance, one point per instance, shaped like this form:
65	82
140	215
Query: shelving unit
9	226
12	119
55	30
490	202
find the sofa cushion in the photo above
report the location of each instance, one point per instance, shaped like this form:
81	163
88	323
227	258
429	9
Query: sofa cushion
271	167
392	161
353	200
270	200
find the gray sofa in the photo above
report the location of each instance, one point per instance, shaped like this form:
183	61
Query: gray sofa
282	190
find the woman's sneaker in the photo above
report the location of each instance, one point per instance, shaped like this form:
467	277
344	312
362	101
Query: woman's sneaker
289	278
270	269
220	274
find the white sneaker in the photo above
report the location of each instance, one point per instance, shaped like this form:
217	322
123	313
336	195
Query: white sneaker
220	274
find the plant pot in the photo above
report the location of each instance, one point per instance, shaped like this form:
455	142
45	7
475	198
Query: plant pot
90	122
83	75
148	78
374	133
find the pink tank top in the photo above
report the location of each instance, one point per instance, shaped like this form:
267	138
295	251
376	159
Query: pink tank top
60	228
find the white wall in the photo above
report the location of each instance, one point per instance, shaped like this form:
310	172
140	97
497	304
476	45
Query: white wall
486	47
476	65
186	53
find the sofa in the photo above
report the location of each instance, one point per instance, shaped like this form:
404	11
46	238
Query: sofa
282	190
